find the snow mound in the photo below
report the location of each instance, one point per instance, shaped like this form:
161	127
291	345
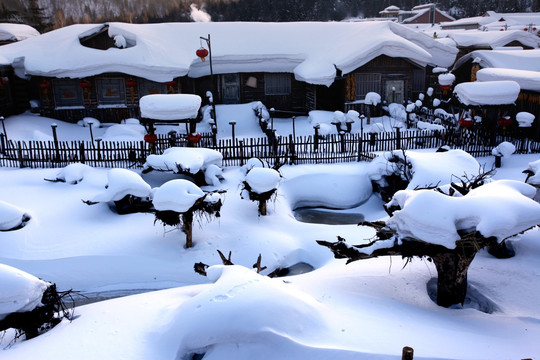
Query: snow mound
241	308
170	106
335	191
525	119
177	159
504	149
262	180
422	125
124	132
534	168
20	291
372	98
446	79
254	162
122	182
73	173
499	209
11	217
176	195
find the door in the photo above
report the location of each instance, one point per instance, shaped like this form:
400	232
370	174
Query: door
230	88
395	91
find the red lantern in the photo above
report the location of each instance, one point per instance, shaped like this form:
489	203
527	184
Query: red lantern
45	85
466	122
505	121
194	137
131	83
150	138
85	84
202	53
525	29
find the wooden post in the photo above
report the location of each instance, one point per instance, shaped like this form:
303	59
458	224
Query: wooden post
20	154
2	144
241	145
292	149
55	138
408	353
187	227
398	139
316	138
81	152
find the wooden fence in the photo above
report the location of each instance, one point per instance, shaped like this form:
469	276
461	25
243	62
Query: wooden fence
300	150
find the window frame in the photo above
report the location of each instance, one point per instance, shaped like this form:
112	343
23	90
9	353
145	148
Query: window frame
277	84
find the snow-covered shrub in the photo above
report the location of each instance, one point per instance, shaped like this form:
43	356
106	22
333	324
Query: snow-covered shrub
260	184
446	79
85	122
397	111
372	98
71	174
504	149
252	163
525	119
12	217
533	173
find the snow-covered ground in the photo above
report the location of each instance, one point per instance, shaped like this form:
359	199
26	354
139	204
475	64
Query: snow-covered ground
368	309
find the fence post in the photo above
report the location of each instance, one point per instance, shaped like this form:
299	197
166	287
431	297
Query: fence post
408	353
398	139
292	149
20	154
55	138
2	144
316	138
342	140
81	152
241	144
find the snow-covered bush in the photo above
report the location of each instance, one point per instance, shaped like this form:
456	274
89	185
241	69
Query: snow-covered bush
72	173
372	98
504	149
12	217
260	184
533	173
85	122
525	119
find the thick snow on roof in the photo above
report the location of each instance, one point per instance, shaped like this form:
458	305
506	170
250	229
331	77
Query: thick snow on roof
499	209
161	52
508	59
170	106
20	291
16	32
502	92
491	17
491	39
527	80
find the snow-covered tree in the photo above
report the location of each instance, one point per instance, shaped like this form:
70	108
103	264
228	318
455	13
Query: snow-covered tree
260	184
448	228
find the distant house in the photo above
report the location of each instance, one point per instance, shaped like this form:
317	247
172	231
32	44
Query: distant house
10	33
496	21
521	66
421	14
103	70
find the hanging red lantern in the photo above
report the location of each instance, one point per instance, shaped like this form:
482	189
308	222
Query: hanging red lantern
505	121
202	53
131	83
45	85
85	84
150	138
194	137
466	122
171	85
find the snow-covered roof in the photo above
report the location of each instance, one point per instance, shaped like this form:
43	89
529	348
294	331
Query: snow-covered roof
16	32
487	93
527	80
160	52
491	17
170	106
508	59
490	39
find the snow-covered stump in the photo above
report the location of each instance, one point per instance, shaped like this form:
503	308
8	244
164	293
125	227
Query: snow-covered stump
451	232
28	304
260	185
177	201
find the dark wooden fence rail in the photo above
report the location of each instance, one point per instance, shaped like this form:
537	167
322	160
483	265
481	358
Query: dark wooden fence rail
302	150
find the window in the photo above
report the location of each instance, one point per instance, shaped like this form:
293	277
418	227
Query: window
277	84
147	87
111	91
67	92
367	83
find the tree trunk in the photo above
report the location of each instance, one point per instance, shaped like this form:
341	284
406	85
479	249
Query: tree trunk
187	228
452	270
262	207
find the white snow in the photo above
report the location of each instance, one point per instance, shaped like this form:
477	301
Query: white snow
16	32
505	59
72	173
262	180
11	216
312	51
524	119
488	92
20	291
170	106
499	209
187	159
446	79
527	80
365	310
504	149
176	195
534	167
120	183
372	98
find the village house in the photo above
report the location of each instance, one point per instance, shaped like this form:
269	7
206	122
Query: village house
13	90
421	14
103	70
492	20
521	66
